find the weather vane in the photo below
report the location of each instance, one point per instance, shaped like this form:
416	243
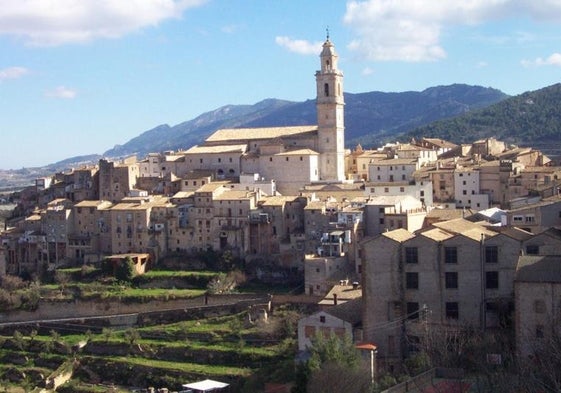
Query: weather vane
327	31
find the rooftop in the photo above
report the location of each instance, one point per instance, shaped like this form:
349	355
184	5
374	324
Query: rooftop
235	134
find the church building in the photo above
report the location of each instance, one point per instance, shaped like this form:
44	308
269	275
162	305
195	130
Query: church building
291	156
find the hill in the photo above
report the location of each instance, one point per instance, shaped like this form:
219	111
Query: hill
368	117
530	119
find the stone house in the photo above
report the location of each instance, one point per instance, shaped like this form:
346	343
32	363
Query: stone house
341	320
537	302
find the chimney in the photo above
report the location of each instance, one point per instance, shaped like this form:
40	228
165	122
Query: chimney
334	299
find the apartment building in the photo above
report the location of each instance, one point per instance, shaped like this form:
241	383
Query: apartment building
383	213
453	274
467	189
90	235
392	170
116	180
536	217
420	189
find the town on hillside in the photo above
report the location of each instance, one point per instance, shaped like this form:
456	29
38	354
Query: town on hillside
393	244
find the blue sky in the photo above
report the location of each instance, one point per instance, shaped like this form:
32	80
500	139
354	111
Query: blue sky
80	76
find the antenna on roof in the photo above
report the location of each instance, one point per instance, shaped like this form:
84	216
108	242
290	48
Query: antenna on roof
327	32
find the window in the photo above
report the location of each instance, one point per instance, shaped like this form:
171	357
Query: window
532	249
492	280
322	318
530	218
412	310
412	280
451	280
452	310
517	218
491	254
450	255
411	255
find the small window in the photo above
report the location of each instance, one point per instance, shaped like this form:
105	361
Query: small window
412	310
492	280
532	249
411	255
452	310
451	280
322	318
491	254
412	280
539	306
450	255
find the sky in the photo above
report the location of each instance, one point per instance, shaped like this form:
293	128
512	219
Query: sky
78	77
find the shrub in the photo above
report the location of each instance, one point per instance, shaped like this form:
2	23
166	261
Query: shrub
125	270
6	302
12	283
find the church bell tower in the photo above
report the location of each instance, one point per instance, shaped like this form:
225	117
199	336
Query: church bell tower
330	111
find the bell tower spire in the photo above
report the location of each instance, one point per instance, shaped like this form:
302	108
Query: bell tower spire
330	111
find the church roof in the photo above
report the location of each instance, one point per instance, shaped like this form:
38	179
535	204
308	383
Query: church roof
243	134
241	148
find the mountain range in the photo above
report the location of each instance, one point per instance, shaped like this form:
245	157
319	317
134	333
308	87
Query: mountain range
369	117
459	113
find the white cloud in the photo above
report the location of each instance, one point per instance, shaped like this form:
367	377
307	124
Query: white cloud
299	46
57	22
410	30
367	71
61	92
553	60
481	64
13	73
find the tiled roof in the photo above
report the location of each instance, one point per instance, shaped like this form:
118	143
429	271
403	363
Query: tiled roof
278	200
350	311
399	235
437	234
539	268
464	227
233	134
239	148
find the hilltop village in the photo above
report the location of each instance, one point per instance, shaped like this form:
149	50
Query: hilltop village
424	233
